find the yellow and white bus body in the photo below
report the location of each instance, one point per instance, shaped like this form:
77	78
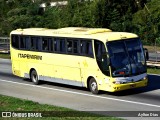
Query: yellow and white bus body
76	56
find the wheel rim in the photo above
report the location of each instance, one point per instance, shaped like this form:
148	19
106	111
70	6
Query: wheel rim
93	86
34	78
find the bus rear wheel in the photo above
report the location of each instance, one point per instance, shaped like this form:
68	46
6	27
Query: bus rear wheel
93	86
34	77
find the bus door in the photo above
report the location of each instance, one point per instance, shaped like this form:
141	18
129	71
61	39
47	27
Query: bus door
67	68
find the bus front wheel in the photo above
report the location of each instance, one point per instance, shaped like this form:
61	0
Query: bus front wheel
34	77
93	86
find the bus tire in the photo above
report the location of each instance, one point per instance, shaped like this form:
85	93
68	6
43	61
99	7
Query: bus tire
34	77
93	86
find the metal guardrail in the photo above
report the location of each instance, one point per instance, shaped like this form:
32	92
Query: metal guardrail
154	59
4	45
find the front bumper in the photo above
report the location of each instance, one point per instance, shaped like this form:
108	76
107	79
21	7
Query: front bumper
120	87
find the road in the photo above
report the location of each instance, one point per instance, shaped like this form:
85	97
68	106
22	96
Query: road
141	99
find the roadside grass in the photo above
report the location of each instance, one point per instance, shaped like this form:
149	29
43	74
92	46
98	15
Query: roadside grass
152	48
5	56
14	104
153	70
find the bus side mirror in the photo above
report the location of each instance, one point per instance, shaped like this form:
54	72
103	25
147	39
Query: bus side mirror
146	53
105	56
108	60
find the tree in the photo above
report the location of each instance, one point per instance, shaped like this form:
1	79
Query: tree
147	21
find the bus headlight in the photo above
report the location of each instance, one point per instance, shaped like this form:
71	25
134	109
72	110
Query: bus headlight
145	78
118	82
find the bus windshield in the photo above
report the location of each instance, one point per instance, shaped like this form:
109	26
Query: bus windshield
126	57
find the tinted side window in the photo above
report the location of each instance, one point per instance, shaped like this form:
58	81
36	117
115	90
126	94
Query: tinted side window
15	41
83	47
75	46
45	44
27	39
86	48
99	49
23	42
56	45
89	49
69	46
35	43
52	45
62	45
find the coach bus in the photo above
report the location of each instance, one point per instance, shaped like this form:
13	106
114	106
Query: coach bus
95	58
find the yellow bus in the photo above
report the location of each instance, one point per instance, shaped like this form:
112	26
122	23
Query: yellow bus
95	58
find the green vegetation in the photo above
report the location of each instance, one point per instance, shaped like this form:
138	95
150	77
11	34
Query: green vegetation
153	71
147	22
15	104
137	16
5	56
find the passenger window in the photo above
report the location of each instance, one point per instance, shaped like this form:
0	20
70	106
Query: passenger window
35	43
62	46
22	42
99	49
89	49
52	45
86	48
69	46
75	47
27	40
56	44
15	41
45	44
83	47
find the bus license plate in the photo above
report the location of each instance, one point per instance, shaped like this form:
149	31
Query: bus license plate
133	85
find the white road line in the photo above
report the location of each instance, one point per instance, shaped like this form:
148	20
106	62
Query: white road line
2	59
154	74
96	96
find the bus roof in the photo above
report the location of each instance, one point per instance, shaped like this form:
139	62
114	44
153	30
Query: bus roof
102	34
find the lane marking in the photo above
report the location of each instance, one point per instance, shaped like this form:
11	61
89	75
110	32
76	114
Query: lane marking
8	60
96	96
155	74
